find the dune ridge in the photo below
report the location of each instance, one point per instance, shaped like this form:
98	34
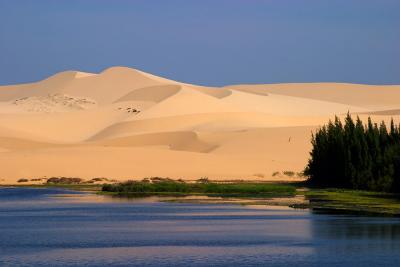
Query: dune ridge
124	123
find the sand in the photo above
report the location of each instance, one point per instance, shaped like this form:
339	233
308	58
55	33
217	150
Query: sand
126	124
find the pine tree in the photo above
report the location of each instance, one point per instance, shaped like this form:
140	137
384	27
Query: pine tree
355	156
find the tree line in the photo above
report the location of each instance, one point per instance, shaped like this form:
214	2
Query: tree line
356	156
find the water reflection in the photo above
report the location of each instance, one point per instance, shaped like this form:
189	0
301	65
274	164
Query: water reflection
64	228
350	227
366	236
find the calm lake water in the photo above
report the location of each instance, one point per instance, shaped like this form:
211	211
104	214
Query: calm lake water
43	227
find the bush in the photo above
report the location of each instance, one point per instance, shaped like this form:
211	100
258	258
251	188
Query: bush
99	179
23	180
288	173
64	180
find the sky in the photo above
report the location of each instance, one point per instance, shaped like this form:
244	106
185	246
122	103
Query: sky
207	42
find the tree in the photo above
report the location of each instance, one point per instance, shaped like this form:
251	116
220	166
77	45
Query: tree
355	155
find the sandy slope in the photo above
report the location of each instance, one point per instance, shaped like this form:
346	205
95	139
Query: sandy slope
126	124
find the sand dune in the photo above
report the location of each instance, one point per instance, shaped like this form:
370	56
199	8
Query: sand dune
153	93
367	96
10	143
287	105
184	141
127	124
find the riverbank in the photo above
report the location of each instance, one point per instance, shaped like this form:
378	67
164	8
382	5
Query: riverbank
281	194
353	202
295	195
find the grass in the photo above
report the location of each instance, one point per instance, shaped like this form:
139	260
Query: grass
232	189
331	200
354	201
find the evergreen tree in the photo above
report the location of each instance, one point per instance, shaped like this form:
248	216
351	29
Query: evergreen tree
355	156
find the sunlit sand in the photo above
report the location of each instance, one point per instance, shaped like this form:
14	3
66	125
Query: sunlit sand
126	124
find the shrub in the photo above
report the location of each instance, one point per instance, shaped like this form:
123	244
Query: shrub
64	180
288	173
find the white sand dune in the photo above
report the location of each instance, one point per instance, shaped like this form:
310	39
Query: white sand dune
152	93
367	96
183	141
127	124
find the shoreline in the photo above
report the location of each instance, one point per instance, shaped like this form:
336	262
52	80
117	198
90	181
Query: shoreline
330	200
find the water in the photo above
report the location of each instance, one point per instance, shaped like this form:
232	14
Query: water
43	227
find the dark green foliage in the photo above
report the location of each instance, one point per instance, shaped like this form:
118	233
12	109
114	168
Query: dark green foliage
64	180
253	189
356	156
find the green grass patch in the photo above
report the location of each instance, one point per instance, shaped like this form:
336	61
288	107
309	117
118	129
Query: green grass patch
231	189
354	201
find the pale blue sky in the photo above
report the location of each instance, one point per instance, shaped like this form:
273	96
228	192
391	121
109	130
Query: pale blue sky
210	42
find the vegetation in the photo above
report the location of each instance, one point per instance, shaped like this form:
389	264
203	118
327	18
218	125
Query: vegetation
356	156
203	180
206	188
23	180
37	179
64	180
353	201
288	173
331	200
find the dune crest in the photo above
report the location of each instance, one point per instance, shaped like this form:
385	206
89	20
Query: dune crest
152	93
124	123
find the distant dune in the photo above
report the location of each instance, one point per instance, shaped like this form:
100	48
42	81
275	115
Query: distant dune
126	124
